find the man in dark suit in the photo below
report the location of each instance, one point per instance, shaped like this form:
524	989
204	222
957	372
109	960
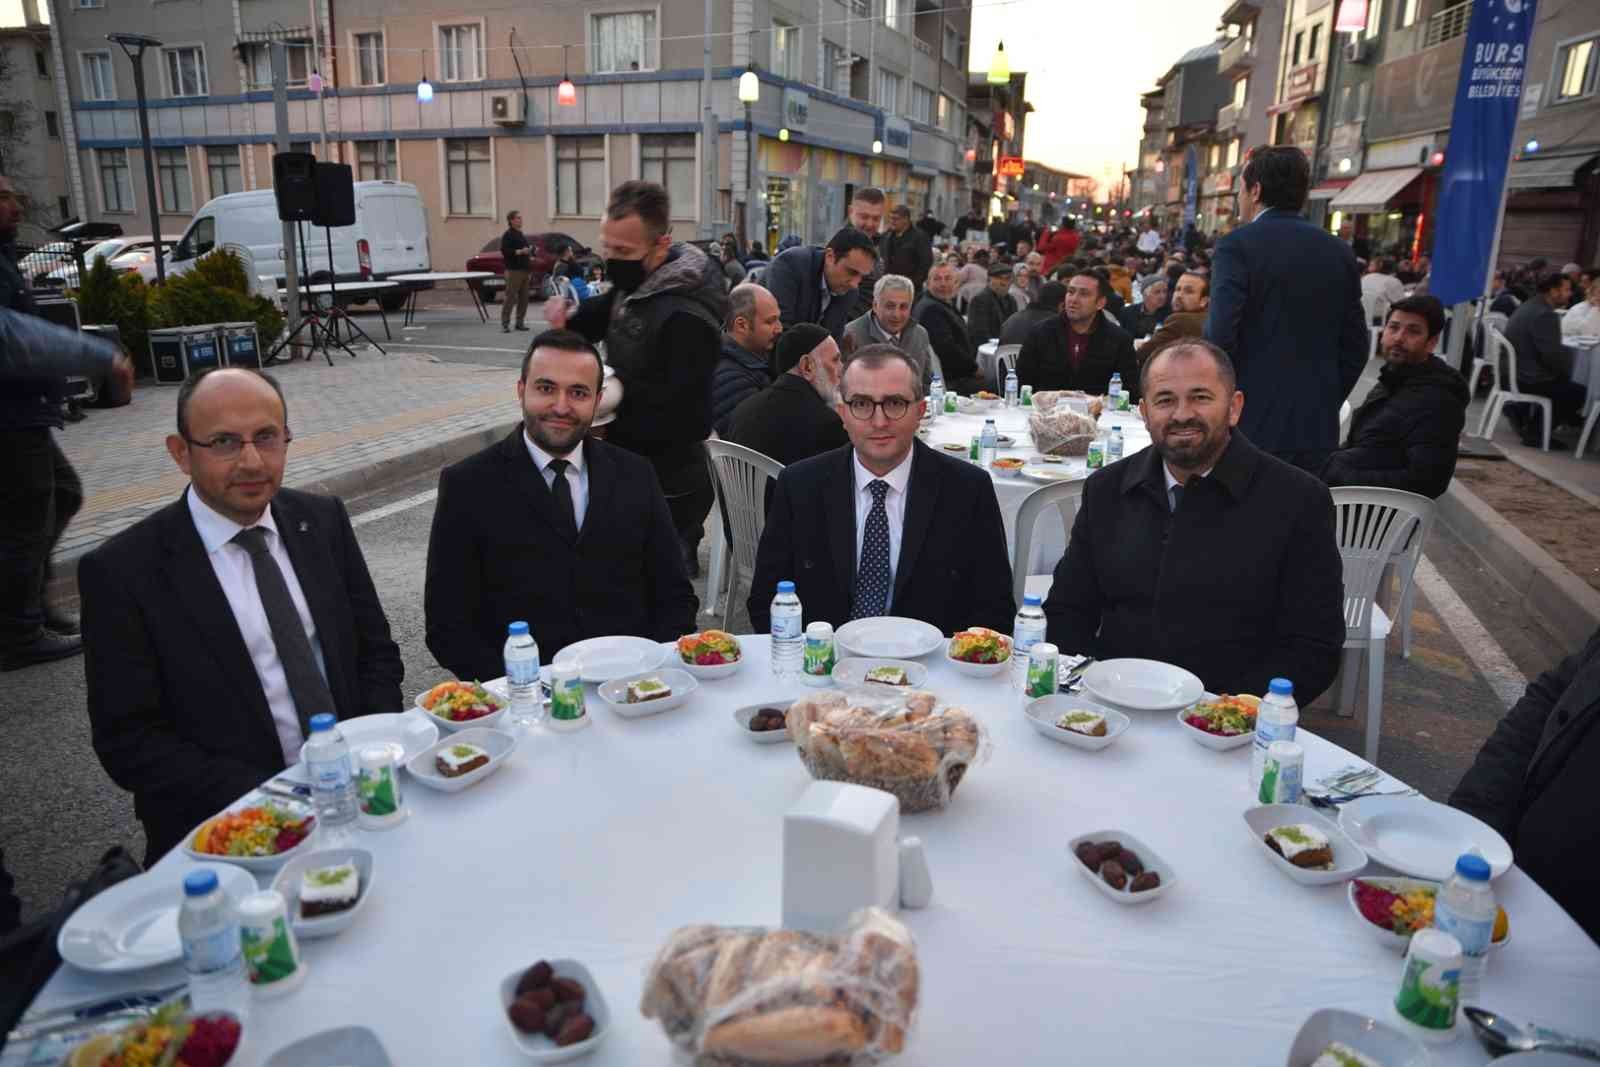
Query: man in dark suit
990	309
1533	781
1081	348
1202	550
905	249
1544	363
1047	305
214	629
795	417
822	284
886	526
1286	306
571	535
947	330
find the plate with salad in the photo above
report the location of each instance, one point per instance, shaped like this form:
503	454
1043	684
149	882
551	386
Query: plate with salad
257	833
458	705
709	654
979	651
1223	722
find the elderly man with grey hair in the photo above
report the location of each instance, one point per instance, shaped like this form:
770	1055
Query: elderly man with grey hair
890	322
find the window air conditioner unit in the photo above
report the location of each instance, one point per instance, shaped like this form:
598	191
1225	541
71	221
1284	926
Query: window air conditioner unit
1358	50
507	109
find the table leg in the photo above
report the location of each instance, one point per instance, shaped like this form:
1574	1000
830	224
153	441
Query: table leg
483	315
384	315
411	308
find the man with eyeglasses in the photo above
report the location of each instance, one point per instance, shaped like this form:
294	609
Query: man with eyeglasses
216	628
885	526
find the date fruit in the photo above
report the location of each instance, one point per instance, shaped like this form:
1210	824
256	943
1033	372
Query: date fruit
1113	874
526	1015
575	1029
567	990
1147	880
534	977
1130	862
1089	855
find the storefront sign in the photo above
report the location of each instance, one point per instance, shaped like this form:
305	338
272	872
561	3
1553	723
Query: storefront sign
1302	82
896	137
796	109
1488	93
1011	166
1415	94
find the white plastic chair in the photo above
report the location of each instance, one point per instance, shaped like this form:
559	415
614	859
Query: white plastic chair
1372	526
1375	306
1404	567
740	476
1346	413
1064	497
1005	360
1505	390
1588	428
1374	335
1483	364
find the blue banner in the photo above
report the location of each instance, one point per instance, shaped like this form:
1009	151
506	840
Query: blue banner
1488	94
1191	186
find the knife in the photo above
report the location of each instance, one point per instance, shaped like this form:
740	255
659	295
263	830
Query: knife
34	1022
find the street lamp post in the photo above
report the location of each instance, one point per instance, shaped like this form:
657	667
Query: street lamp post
749	93
133	46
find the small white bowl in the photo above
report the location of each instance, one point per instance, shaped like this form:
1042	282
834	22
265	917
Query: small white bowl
1348	857
288	883
1364	1034
979	670
1043	713
705	673
541	1049
1398	942
852	670
1147	856
498	743
451	726
615	693
258	863
743	715
1002	471
1211	740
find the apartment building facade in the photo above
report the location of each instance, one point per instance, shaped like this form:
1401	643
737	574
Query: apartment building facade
32	148
852	92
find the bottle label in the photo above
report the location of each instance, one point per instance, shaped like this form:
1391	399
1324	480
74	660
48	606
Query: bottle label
211	952
330	775
1474	934
785	628
522	671
1268	732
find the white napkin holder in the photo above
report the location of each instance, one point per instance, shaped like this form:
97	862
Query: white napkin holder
840	853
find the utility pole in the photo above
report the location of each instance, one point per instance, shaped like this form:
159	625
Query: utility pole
708	140
280	112
322	79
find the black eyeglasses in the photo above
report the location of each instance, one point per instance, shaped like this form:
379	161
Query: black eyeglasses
894	407
229	445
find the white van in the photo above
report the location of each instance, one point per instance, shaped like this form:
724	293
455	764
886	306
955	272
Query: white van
390	236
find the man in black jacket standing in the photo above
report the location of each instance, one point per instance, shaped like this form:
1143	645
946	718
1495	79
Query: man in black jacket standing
516	251
905	249
1080	348
822	284
1404	436
746	364
795	417
947	330
662	325
1202	550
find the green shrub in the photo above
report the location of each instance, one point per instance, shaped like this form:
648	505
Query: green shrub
214	291
108	298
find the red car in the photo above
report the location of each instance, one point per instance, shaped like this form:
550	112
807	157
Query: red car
547	249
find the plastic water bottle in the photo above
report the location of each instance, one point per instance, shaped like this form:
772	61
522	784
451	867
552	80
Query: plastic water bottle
935	397
1011	388
1276	719
1466	909
209	931
522	676
1114	445
1114	393
788	640
1027	631
988	444
333	783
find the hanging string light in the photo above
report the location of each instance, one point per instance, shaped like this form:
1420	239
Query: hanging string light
566	92
424	87
1000	66
1352	17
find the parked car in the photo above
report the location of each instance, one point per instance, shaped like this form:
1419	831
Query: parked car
547	249
55	267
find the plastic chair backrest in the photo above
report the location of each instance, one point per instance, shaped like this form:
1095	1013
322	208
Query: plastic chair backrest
1372	525
1005	360
1505	358
741	475
1063	496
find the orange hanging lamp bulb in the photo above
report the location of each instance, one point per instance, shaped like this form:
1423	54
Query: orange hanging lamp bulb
566	92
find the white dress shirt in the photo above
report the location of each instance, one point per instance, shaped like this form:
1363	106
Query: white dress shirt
577	474
1173	483
237	576
894	505
1581	321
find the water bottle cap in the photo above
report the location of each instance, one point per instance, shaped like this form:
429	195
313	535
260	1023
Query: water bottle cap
785	587
324	721
517	629
1032	600
1281	686
199	883
1474	867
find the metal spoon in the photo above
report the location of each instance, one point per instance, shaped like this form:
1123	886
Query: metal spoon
1500	1035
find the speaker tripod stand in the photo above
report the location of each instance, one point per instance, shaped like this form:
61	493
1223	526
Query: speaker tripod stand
324	325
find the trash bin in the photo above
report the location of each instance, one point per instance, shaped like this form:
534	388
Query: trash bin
166	355
240	347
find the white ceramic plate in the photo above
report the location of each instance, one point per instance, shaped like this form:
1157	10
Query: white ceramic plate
1053	473
348	1046
1365	1035
451	726
1348	858
1043	713
1419	837
1143	684
1210	740
288	883
497	743
978	670
406	734
606	658
615	693
134	924
889	636
1542	1058
258	863
1147	856
541	1049
743	715
704	673
852	671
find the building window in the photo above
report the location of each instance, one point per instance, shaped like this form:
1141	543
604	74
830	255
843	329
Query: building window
952	46
303	147
889	91
1241	91
580	175
668	160
461	53
861	8
833	61
172	178
1575	70
1316	41
1233	152
1216	156
52	125
116	193
622	42
1406	14
922	104
258	64
222	171
468	176
942	118
1299	48
90	3
369	58
63	206
186	71
786	50
1374	19
41	66
99	82
891	14
377	161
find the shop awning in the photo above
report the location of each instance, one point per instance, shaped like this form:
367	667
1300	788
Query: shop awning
1558	173
1372	192
1329	189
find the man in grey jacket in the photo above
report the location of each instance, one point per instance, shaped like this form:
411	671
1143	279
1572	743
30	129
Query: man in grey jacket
890	322
1544	364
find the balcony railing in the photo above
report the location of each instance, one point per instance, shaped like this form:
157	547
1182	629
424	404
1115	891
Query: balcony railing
1447	24
1233	115
1238	55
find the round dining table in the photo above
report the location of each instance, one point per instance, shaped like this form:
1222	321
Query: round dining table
597	844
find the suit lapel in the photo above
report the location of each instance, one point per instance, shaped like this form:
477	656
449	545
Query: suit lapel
319	581
528	482
602	483
921	503
1579	702
839	512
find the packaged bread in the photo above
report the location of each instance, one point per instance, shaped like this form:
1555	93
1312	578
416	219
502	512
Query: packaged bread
750	997
1062	431
906	745
1077	400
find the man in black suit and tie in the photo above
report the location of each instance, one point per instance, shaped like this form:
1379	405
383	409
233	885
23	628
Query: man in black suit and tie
571	535
886	526
214	629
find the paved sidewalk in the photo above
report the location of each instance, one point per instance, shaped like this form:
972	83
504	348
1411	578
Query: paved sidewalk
349	420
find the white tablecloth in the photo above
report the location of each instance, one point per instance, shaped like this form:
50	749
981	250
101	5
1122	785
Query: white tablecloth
597	844
1586	371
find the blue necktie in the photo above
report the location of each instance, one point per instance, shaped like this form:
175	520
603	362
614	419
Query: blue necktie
1176	493
872	577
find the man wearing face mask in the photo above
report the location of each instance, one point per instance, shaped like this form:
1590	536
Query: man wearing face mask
661	321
